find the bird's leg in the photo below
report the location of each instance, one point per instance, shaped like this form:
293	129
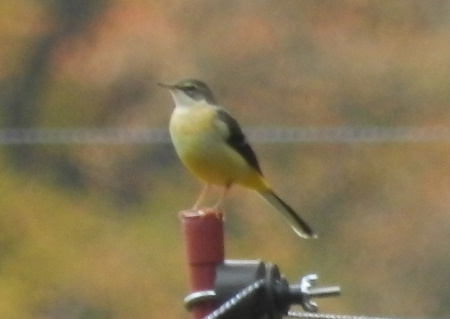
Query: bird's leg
222	197
201	197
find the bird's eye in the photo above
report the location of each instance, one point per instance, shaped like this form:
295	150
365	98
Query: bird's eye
190	88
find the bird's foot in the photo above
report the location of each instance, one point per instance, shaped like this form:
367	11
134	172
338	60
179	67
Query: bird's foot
203	212
217	212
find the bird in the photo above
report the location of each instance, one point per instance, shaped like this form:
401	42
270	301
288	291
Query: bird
211	145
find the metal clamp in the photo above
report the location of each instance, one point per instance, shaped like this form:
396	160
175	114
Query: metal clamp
253	290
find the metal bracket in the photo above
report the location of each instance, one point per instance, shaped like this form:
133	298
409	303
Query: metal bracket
306	290
198	296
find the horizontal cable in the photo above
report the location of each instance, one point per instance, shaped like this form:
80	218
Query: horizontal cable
308	315
260	134
84	136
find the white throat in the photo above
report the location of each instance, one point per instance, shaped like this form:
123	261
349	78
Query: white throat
182	99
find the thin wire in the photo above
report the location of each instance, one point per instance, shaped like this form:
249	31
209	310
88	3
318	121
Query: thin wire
239	297
308	315
350	134
268	135
84	136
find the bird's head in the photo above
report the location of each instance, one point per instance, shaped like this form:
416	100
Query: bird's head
190	91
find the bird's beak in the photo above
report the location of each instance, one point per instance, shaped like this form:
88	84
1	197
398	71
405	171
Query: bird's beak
167	86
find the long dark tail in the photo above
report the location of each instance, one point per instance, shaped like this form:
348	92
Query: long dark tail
300	227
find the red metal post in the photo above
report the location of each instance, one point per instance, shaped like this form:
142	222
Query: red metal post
204	245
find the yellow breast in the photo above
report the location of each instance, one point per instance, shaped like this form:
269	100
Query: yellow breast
201	146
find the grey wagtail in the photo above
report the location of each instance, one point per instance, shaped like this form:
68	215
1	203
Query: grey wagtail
211	145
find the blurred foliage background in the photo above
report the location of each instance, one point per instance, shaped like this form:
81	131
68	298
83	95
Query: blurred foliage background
91	230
